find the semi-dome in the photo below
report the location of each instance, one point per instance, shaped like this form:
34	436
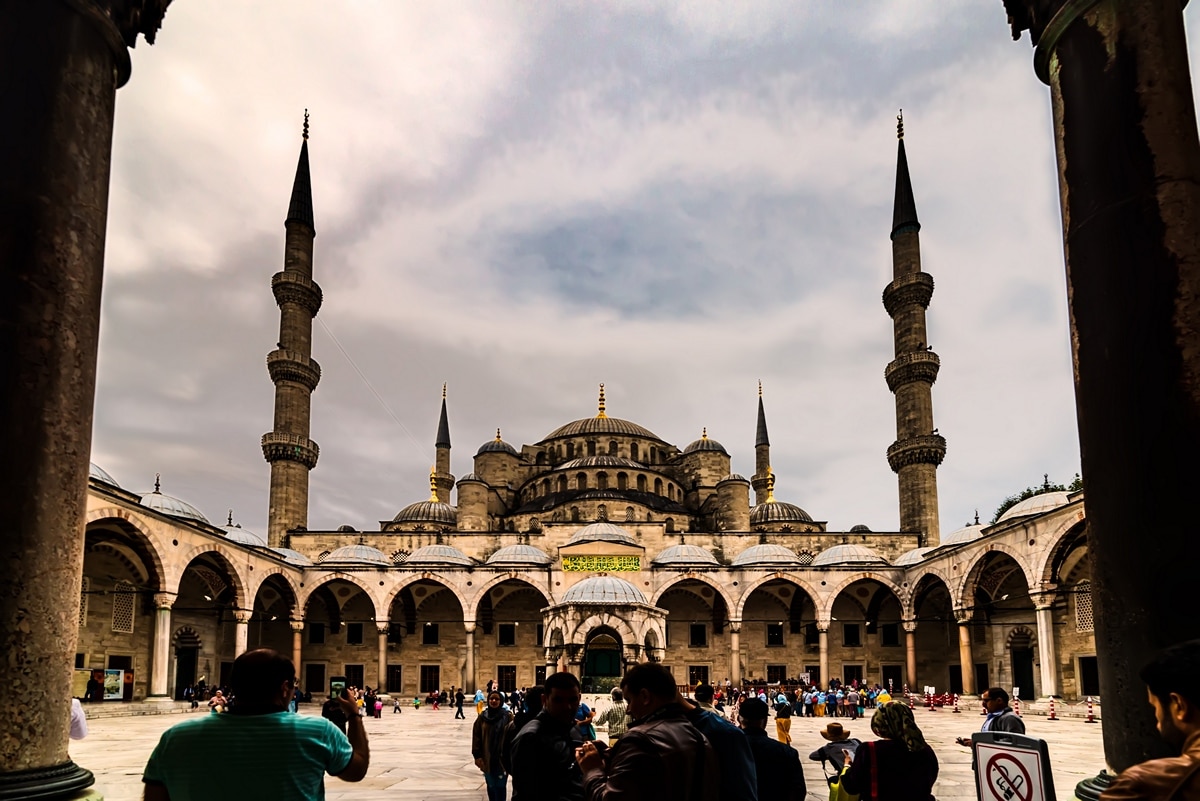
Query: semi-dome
766	554
438	555
98	473
600	461
245	536
358	554
601	425
705	444
497	445
603	590
964	534
1036	505
735	477
848	555
428	512
293	557
519	555
684	555
602	532
778	512
915	556
169	505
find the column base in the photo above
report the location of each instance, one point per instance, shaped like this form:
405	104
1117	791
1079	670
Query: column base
56	783
1090	789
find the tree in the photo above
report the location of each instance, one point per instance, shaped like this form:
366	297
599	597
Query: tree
1012	500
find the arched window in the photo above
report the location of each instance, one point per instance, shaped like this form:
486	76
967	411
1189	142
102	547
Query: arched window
629	514
1083	606
581	481
633	451
641	483
653	454
122	607
612	447
622	481
602	513
670	525
591	445
671	491
562	483
575	516
541	458
570	450
602	481
545	486
658	486
83	600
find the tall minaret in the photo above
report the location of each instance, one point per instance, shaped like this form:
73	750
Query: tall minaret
288	449
443	482
918	449
762	455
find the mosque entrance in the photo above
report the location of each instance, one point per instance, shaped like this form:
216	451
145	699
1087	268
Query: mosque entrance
187	657
601	661
1021	645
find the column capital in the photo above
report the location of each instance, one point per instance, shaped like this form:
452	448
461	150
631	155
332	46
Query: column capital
963	616
163	600
297	625
383	627
910	626
243	615
823	624
735	625
469	626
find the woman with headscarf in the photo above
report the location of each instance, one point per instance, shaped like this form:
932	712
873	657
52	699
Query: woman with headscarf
487	739
898	767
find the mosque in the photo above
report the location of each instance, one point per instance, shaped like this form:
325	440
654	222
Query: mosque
596	547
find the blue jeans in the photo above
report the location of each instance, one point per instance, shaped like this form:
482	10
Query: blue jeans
497	786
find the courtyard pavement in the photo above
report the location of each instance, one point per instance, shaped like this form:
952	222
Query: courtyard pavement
423	755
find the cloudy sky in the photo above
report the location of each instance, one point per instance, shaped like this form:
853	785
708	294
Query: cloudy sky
524	200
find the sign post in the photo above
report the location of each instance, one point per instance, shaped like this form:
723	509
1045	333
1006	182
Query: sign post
1011	767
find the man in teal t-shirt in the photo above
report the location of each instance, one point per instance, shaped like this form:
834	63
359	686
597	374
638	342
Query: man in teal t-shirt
263	751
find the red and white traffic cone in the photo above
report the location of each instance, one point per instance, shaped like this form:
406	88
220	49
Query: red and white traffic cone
910	700
956	704
1017	707
1091	718
1052	715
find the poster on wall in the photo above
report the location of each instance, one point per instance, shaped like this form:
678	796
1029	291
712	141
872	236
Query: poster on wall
114	684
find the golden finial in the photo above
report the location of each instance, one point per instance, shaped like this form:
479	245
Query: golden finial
305	125
900	125
433	496
498	435
770	485
443	390
601	412
704	433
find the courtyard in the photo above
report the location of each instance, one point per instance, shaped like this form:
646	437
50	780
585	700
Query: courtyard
423	755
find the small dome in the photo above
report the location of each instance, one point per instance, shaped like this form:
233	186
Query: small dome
98	473
346	528
1042	502
604	590
428	512
915	556
848	555
602	532
172	506
778	512
601	425
519	555
357	554
244	536
766	554
964	534
497	445
438	555
859	529
735	477
471	477
600	461
705	444
684	555
293	557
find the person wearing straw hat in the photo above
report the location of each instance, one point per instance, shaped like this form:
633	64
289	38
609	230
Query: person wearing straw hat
840	741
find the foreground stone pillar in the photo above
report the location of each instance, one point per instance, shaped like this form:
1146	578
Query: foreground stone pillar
382	629
469	667
966	660
298	652
735	652
1129	181
910	653
241	634
60	65
1047	650
160	661
823	640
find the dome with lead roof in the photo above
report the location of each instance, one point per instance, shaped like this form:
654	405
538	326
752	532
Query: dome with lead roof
601	425
778	512
169	505
735	477
438	555
1036	505
428	512
244	536
520	555
600	461
705	444
848	555
359	554
602	532
964	534
684	554
293	557
766	554
98	473
913	557
603	590
859	529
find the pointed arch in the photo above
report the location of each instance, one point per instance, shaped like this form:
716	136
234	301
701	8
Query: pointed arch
282	575
1063	539
315	583
759	581
964	591
579	633
406	581
825	611
920	585
228	561
541	585
703	578
152	549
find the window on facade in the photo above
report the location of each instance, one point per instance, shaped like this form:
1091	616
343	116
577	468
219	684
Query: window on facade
777	674
580	481
395	678
612	447
316	633
506	634
545	486
506	677
355	676
811	635
653	454
122	607
1083	606
979	631
570	450
889	634
602	513
698	635
641	483
562	483
354	634
429	634
431	678
629	514
80	661
83	600
540	633
622	481
395	633
658	486
851	635
775	635
697	674
591	447
669	525
602	481
633	451
576	516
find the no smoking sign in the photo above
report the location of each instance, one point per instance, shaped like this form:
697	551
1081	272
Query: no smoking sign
1011	767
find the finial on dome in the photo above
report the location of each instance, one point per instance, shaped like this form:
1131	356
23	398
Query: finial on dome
443	390
433	496
900	125
760	387
601	413
156	482
229	522
977	517
498	435
770	485
305	125
704	433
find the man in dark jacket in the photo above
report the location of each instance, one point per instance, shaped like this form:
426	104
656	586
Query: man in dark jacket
542	756
1000	716
780	777
661	757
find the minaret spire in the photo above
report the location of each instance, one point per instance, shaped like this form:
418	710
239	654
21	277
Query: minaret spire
918	449
442	480
761	482
287	447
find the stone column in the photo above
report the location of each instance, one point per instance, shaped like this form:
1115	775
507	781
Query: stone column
910	653
735	652
160	658
63	63
1047	651
297	651
382	627
965	658
241	635
823	639
469	669
1129	182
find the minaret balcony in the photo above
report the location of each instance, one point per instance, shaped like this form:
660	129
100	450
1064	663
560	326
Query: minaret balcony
278	447
288	365
290	286
908	368
928	449
908	290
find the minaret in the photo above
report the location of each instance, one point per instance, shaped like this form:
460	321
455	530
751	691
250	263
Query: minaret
442	480
918	449
762	455
287	448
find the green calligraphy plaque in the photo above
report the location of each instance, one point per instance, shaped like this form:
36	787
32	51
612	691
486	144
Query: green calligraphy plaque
602	564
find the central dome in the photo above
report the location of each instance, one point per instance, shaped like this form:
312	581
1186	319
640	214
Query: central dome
601	425
602	532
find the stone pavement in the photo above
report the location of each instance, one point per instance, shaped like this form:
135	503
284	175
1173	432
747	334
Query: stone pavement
422	755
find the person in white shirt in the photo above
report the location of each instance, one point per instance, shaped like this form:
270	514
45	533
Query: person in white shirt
78	720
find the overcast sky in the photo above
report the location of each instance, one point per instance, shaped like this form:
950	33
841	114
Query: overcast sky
524	200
